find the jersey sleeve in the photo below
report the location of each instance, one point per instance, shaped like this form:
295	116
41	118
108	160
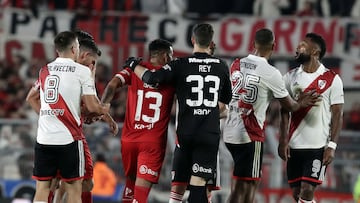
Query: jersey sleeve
87	83
125	76
226	93
276	84
161	76
337	91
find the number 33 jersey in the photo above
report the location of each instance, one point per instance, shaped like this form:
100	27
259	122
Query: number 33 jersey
254	84
201	81
148	108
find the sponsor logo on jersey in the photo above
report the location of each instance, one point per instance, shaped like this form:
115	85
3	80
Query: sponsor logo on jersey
196	169
145	170
52	112
206	60
139	126
202	112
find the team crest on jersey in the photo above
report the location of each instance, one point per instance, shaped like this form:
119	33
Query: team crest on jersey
321	84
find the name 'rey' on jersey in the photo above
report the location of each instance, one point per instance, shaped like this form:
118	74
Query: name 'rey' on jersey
254	84
147	108
310	127
200	82
62	83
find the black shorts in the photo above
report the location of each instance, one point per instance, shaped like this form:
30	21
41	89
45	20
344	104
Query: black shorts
197	157
305	165
68	160
247	160
181	176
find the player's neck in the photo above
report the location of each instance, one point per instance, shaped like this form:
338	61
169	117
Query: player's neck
263	54
66	55
200	50
311	66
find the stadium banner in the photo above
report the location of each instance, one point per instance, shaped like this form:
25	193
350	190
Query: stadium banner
120	35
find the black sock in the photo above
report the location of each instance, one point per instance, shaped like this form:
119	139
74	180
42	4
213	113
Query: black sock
197	194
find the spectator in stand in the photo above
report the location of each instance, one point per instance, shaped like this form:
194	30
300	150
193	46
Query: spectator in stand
341	8
104	179
307	10
269	8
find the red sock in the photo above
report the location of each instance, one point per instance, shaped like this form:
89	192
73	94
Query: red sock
51	197
128	193
141	194
86	197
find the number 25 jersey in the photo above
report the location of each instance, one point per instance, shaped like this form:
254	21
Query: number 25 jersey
254	84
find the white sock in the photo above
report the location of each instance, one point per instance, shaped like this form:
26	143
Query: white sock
175	197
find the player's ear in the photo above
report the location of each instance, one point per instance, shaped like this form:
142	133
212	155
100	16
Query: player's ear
192	40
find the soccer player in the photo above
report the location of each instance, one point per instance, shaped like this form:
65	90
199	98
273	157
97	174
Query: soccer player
178	186
88	56
201	81
254	83
313	131
144	133
63	84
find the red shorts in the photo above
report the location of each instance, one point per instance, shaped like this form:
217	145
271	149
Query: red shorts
143	159
88	161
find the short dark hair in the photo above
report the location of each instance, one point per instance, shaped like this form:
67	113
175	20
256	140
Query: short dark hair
264	37
203	34
64	40
159	45
89	45
317	39
81	34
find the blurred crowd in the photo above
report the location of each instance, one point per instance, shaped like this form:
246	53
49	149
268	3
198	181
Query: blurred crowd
265	8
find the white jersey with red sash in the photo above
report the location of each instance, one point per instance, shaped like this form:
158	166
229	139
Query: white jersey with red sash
62	83
310	127
254	84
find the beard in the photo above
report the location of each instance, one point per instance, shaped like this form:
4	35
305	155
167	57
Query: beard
302	58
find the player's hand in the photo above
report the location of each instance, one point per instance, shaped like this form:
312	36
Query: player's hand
284	151
89	119
114	128
132	62
309	98
329	155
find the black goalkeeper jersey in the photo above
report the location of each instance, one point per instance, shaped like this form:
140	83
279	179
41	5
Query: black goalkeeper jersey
200	81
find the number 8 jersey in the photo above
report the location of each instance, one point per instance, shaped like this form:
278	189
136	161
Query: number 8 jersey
254	84
62	83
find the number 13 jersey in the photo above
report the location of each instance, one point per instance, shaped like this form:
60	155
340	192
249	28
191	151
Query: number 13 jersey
254	84
147	108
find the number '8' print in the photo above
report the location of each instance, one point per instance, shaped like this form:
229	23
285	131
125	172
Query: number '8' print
51	89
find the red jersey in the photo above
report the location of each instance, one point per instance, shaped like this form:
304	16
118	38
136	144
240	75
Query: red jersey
147	108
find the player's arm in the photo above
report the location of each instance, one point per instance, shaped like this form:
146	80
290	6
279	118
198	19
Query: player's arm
283	148
33	98
93	105
110	89
150	77
305	99
223	110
